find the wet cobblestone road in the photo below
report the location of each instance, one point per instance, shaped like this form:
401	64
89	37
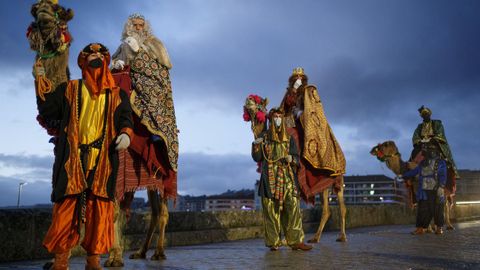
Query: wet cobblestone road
383	247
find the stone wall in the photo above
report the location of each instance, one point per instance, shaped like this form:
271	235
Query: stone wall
22	230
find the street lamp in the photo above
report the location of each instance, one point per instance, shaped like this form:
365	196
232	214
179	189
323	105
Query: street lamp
19	191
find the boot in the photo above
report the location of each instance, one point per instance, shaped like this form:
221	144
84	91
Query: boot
302	246
93	262
273	248
419	231
61	261
439	230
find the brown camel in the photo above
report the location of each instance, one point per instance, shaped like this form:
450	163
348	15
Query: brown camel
49	37
143	179
388	152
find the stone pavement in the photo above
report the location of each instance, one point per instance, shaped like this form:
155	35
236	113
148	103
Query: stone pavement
382	247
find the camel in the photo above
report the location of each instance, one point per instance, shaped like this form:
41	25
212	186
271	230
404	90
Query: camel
158	204
388	152
48	36
255	112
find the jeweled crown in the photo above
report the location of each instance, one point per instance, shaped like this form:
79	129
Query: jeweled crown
298	71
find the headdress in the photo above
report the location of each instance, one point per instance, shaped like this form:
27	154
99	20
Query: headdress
93	48
101	78
278	134
424	110
136	16
298	71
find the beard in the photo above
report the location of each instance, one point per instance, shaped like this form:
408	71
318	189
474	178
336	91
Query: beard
140	36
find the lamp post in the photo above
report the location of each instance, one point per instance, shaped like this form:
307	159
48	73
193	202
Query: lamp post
19	192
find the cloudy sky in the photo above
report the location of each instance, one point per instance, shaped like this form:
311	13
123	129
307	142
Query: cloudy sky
374	62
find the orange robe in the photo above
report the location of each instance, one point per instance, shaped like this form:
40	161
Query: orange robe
84	188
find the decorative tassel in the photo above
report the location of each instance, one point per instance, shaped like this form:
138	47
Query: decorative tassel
42	83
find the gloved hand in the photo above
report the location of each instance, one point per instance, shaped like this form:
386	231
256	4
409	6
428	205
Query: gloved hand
258	140
38	70
440	192
289	158
119	64
123	141
297	112
133	43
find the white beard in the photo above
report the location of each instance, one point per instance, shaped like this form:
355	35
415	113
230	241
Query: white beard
140	36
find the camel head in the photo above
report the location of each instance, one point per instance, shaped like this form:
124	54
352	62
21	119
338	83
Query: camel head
388	152
49	11
255	111
384	150
48	32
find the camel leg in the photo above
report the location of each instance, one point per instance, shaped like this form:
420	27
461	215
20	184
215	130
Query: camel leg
325	215
160	250
448	208
154	205
343	212
115	254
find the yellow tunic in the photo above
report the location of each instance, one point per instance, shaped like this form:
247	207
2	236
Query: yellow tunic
91	122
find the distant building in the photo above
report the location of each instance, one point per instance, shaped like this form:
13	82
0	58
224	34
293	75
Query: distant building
191	203
373	189
231	200
370	189
468	186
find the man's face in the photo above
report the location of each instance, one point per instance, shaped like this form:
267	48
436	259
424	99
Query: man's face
294	80
425	116
138	24
95	56
95	60
277	119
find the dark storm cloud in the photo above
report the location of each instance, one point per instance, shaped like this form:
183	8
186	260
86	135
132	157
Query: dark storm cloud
198	174
14	49
84	27
212	174
27	168
37	192
26	161
374	62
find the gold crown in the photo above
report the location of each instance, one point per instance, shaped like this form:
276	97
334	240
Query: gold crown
52	1
298	71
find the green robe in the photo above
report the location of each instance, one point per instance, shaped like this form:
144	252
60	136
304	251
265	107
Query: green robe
279	192
265	187
437	136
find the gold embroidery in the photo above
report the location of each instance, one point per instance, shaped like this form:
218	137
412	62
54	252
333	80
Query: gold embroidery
325	153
